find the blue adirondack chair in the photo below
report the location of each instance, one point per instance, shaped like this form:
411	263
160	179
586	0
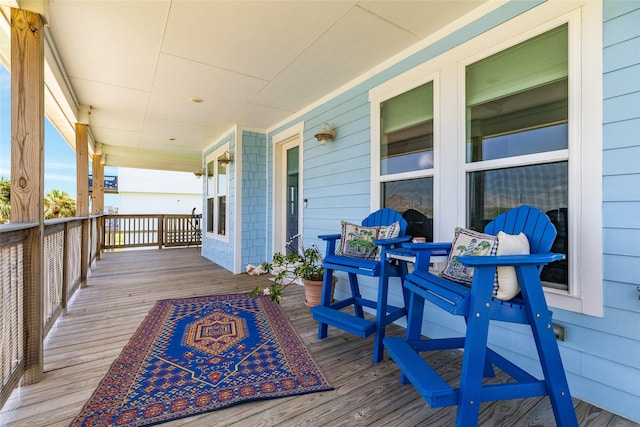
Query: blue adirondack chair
328	313
477	305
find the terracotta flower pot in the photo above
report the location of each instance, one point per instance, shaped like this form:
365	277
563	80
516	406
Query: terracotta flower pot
313	291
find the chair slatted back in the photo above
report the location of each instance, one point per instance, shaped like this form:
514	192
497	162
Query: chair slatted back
385	216
533	223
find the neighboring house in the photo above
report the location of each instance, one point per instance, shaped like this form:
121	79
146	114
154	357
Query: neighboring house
529	102
146	191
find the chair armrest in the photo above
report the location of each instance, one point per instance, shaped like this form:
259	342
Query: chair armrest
509	260
436	247
392	241
424	251
331	240
329	236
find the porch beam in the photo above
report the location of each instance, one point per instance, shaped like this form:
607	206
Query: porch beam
27	172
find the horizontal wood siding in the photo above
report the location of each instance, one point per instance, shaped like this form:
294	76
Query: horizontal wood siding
607	370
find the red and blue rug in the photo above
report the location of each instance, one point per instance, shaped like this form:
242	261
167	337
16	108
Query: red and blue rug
196	355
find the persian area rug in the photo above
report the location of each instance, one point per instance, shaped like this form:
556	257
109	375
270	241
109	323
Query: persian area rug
196	355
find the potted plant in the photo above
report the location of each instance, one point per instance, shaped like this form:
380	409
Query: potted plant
304	264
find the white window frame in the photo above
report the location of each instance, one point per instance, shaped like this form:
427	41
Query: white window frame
584	152
376	97
213	157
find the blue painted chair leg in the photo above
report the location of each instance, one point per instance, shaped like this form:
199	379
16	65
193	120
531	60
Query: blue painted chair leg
381	318
475	352
548	352
327	284
489	372
355	292
415	310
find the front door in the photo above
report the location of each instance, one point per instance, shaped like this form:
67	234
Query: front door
287	198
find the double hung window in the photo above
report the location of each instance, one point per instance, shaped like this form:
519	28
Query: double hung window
513	125
517	113
217	191
406	158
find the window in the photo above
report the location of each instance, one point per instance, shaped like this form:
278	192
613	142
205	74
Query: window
406	158
517	105
515	118
217	191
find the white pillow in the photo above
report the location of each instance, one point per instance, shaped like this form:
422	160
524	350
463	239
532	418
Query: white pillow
507	280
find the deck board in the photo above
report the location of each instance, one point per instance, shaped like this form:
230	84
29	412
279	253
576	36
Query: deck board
124	286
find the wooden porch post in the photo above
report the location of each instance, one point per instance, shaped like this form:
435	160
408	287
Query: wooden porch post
82	200
27	171
97	206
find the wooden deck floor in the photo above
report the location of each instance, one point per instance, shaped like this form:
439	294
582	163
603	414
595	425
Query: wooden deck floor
125	285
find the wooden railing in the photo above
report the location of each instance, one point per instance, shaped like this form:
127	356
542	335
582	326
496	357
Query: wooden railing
134	231
14	258
33	295
40	272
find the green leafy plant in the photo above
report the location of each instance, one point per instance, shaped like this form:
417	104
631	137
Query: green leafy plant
300	263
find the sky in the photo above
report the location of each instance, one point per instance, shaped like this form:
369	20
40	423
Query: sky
59	157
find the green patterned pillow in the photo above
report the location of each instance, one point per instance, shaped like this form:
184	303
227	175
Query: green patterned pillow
357	241
387	232
467	242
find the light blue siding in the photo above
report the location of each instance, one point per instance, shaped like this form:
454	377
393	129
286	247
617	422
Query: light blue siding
621	161
622	187
610	346
621	134
254	198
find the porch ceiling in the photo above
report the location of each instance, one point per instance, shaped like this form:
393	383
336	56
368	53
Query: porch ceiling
137	64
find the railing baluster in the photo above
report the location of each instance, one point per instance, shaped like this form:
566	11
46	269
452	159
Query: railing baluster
130	231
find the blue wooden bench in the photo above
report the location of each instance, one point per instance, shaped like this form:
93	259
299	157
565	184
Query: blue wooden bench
328	313
478	306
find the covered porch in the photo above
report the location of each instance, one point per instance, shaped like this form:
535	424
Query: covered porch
123	286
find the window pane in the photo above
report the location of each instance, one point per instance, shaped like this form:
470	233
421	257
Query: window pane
407	131
414	200
544	186
210	209
222	215
293	164
222	178
517	99
210	179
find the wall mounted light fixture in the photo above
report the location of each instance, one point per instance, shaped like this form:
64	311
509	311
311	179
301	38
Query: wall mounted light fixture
326	134
225	157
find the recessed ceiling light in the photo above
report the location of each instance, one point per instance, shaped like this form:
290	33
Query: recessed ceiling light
197	99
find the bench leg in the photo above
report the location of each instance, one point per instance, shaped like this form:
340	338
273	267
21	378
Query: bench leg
475	349
415	312
547	346
355	292
381	318
327	284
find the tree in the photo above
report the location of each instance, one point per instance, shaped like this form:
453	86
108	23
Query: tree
5	200
59	204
